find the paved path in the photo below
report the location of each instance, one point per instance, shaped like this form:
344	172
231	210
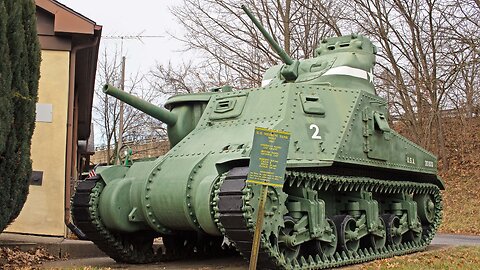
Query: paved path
456	240
233	262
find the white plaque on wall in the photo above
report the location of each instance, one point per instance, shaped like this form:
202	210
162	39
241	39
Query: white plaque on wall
44	112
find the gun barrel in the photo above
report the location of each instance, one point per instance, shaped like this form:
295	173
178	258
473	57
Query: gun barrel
283	55
156	112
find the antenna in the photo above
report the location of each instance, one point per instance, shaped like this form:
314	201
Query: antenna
138	36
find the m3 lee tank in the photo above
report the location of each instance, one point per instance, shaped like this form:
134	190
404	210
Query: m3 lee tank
355	190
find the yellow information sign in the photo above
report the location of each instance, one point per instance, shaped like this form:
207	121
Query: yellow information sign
268	161
268	158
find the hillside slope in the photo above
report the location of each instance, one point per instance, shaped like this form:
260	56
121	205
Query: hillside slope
462	178
461	175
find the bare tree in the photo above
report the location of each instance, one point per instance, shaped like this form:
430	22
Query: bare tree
188	77
233	51
106	109
428	57
414	60
464	35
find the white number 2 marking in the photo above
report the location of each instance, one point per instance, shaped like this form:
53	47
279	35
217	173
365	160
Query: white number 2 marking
315	135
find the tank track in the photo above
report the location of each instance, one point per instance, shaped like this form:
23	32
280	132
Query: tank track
120	247
135	248
235	218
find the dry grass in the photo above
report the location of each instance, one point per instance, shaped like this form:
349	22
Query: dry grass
451	258
461	213
18	259
462	194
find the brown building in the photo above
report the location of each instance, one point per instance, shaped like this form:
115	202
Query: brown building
61	144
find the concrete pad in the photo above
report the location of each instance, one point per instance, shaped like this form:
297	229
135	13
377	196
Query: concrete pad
56	246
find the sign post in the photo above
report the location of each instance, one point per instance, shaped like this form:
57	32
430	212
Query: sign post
268	161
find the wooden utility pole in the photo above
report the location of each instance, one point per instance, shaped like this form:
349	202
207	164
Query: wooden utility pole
120	129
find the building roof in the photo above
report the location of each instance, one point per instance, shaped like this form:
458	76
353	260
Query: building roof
66	19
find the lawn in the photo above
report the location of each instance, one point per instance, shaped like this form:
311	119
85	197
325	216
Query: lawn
449	258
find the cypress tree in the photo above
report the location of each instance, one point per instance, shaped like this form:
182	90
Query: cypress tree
5	81
19	74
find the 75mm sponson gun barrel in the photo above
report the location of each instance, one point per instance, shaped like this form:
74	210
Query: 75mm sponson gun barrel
156	112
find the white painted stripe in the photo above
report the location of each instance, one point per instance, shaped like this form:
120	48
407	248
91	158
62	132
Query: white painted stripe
266	82
349	71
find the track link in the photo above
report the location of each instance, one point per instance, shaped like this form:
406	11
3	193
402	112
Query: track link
234	217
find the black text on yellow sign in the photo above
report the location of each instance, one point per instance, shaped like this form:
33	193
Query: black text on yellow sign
268	158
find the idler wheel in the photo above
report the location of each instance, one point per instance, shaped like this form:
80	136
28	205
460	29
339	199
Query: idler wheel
347	233
320	247
392	225
426	208
286	239
376	241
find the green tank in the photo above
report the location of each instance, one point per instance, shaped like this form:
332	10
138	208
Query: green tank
354	191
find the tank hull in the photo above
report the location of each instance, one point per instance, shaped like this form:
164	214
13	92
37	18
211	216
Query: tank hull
171	193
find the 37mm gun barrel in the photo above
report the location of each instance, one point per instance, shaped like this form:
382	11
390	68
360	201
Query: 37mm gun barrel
283	55
156	112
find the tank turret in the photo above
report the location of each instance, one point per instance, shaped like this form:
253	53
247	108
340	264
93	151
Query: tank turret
345	61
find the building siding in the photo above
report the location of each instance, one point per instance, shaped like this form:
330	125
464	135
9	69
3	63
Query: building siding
43	212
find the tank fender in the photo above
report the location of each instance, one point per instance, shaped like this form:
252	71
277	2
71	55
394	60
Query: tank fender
439	182
224	165
110	173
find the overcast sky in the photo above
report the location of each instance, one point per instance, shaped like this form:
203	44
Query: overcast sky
125	18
